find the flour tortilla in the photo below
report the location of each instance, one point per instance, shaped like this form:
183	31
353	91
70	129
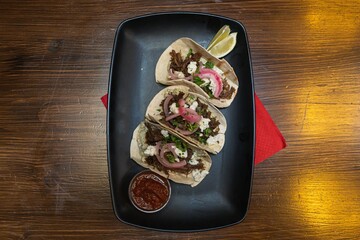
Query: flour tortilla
183	45
154	114
138	146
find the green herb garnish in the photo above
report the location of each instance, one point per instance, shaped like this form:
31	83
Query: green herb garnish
189	53
170	157
202	140
209	64
191	127
181	145
207	132
197	80
208	91
174	122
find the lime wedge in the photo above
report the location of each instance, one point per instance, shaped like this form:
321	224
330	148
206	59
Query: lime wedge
225	46
220	35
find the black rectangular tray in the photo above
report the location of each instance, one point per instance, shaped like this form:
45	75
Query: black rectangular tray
222	199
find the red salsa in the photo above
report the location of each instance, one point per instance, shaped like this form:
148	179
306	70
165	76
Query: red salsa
149	192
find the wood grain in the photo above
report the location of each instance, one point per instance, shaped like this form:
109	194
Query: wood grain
54	67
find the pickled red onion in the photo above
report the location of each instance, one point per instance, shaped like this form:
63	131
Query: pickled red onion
169	147
169	117
166	148
191	115
188	78
166	104
181	106
157	149
188	114
172	75
213	76
186	132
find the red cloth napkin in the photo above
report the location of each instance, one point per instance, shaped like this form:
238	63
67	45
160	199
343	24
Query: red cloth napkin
269	139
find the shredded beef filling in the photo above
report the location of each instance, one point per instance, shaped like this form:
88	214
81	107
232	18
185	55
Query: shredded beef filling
153	135
227	91
177	63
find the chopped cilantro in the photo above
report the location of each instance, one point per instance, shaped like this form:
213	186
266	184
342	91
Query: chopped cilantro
178	143
197	80
207	132
174	122
181	146
191	127
173	138
208	91
202	140
170	157
200	111
209	64
189	53
191	97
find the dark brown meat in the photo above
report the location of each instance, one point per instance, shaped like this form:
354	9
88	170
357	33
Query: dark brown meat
213	124
202	109
190	153
152	161
227	91
177	63
153	135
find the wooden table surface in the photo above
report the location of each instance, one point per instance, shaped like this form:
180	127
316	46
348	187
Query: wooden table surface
54	67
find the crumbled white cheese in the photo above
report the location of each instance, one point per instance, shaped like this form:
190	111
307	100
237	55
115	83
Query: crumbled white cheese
193	159
204	123
213	140
194	105
206	82
193	162
199	175
150	150
191	68
212	86
174	108
181	153
165	133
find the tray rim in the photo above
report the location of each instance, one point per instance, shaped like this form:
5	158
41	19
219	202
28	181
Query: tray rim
109	107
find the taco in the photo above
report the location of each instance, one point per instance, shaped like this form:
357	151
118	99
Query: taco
185	62
189	116
155	148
